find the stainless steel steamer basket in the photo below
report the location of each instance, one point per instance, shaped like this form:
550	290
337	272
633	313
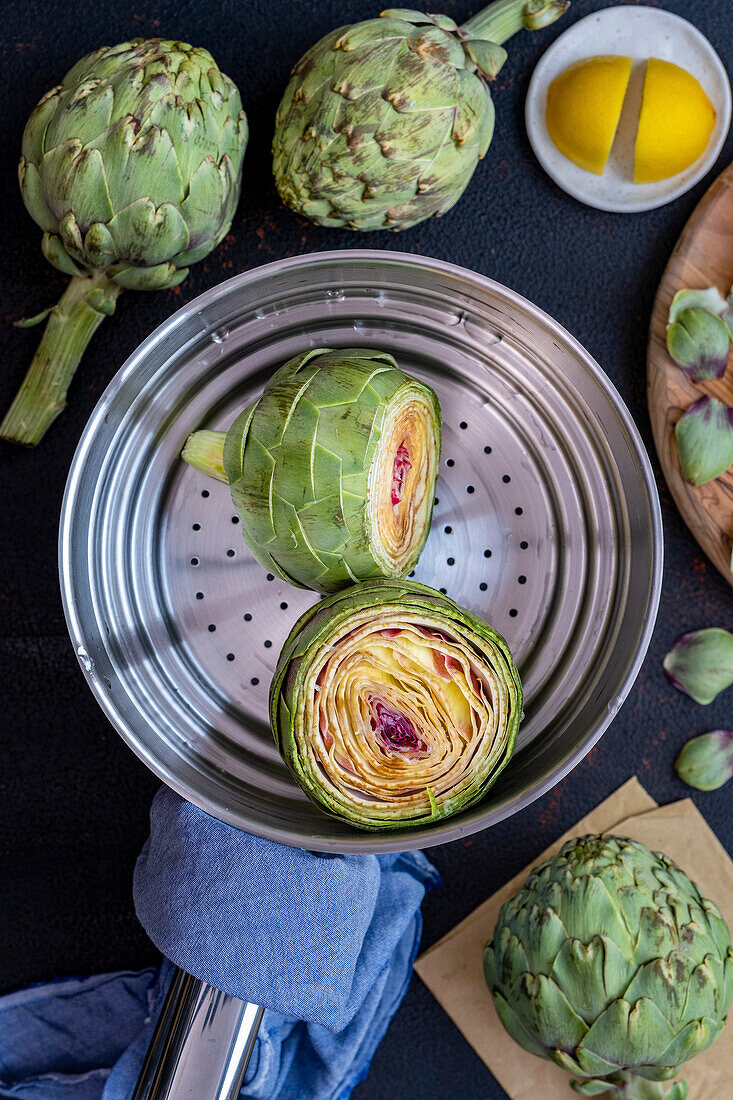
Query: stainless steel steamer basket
546	524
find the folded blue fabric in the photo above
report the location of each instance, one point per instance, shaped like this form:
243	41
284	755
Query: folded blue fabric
325	943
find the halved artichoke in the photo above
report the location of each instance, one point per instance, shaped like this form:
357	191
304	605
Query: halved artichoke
333	469
393	706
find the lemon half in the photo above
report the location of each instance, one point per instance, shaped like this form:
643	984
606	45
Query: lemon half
583	109
675	122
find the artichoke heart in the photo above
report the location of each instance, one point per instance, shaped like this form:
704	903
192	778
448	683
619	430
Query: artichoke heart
393	706
333	469
609	962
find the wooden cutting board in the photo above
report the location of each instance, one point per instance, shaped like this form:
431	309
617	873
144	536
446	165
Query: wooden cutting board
702	257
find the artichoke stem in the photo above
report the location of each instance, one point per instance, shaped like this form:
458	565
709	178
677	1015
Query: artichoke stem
204	451
504	18
70	326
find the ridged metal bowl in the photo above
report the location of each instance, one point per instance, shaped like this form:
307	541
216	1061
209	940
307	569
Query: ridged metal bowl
546	524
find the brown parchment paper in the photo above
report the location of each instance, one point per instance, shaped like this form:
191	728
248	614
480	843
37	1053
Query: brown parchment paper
453	970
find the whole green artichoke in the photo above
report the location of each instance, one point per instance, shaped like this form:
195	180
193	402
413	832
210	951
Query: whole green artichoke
333	469
609	962
132	167
393	706
384	122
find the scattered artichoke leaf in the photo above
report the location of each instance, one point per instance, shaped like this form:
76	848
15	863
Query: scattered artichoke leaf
699	334
710	299
704	435
706	762
699	342
701	663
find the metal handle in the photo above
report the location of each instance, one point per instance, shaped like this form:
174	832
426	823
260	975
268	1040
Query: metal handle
201	1045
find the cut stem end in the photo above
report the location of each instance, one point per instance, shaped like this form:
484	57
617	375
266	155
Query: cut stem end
204	451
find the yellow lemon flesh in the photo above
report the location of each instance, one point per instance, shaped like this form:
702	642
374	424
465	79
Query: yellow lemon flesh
583	109
675	122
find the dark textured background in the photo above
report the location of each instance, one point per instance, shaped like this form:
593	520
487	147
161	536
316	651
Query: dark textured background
73	799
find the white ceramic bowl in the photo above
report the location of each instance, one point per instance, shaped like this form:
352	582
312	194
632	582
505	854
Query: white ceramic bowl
639	33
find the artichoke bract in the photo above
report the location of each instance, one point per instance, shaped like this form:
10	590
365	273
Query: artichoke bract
132	167
609	962
384	122
706	762
698	333
333	469
393	706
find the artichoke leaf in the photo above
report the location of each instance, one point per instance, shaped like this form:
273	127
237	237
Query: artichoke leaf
704	435
706	762
701	663
58	257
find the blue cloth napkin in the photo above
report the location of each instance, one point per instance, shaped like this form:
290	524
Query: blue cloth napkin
325	943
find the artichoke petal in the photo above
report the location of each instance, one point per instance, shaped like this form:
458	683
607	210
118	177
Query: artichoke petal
412	86
704	435
706	762
57	255
693	1039
665	981
657	932
145	164
33	197
358	72
709	299
147	278
587	907
516	1028
504	960
591	974
408	15
55	171
86	190
99	248
434	43
146	236
471	110
706	989
34	136
701	663
487	56
185	124
699	342
591	1087
543	937
541	13
545	1012
71	237
357	37
203	209
623	1036
86	112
